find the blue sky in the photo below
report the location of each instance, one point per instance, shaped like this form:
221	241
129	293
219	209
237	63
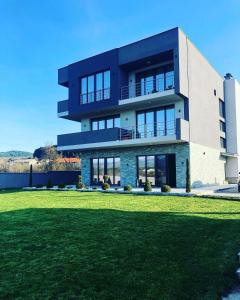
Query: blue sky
38	37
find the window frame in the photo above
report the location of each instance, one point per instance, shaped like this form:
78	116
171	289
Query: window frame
94	92
105	119
105	169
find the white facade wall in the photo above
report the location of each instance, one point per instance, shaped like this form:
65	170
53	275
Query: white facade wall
207	165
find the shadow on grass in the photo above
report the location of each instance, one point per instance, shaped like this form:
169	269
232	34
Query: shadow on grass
111	254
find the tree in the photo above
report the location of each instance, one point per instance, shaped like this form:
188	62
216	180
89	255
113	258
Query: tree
50	158
188	176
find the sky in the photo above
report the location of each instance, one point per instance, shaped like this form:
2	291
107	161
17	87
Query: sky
39	37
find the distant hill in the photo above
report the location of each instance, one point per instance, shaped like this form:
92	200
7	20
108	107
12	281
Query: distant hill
16	153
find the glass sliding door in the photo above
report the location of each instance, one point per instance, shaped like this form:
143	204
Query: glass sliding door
149	125
161	170
101	169
160	122
160	81
158	169
141	125
109	166
117	170
95	171
110	170
141	170
150	162
170	121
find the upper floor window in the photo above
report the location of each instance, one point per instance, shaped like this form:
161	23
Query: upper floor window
95	87
222	126
223	142
109	122
155	80
222	108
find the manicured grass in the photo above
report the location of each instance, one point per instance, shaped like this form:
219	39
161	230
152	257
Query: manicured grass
71	245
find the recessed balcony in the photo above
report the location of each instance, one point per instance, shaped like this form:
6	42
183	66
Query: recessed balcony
150	134
146	91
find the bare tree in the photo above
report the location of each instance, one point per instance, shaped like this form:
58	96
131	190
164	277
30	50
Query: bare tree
50	158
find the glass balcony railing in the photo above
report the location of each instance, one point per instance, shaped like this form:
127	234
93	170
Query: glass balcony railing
95	96
148	130
146	87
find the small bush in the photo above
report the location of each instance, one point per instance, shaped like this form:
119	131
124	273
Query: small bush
147	186
105	186
94	188
49	184
80	185
127	188
105	178
38	186
61	185
116	188
166	188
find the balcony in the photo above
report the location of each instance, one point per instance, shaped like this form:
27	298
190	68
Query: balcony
150	134
146	91
63	108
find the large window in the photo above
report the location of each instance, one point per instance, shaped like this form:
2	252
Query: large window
157	122
158	169
109	122
95	87
155	80
222	108
109	166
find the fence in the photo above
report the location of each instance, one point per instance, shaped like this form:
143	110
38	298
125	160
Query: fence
19	180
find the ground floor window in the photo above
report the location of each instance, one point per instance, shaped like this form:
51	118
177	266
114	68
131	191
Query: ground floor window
109	166
159	169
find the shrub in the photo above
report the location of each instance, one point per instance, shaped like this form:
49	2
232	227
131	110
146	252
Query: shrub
94	188
166	188
61	185
127	188
109	181
105	186
49	184
105	178
80	185
116	188
147	186
38	186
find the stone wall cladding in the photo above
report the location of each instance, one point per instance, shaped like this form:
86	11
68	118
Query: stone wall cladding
128	157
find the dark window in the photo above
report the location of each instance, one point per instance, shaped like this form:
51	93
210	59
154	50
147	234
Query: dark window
158	169
215	92
95	87
222	126
109	166
108	122
222	108
223	142
157	122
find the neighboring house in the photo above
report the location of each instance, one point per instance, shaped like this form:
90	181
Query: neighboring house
148	106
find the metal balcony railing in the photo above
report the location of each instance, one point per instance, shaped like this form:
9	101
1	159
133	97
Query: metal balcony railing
148	130
146	87
95	96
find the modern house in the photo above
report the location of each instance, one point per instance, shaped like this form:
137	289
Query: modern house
148	106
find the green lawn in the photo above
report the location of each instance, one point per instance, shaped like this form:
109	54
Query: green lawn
71	245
